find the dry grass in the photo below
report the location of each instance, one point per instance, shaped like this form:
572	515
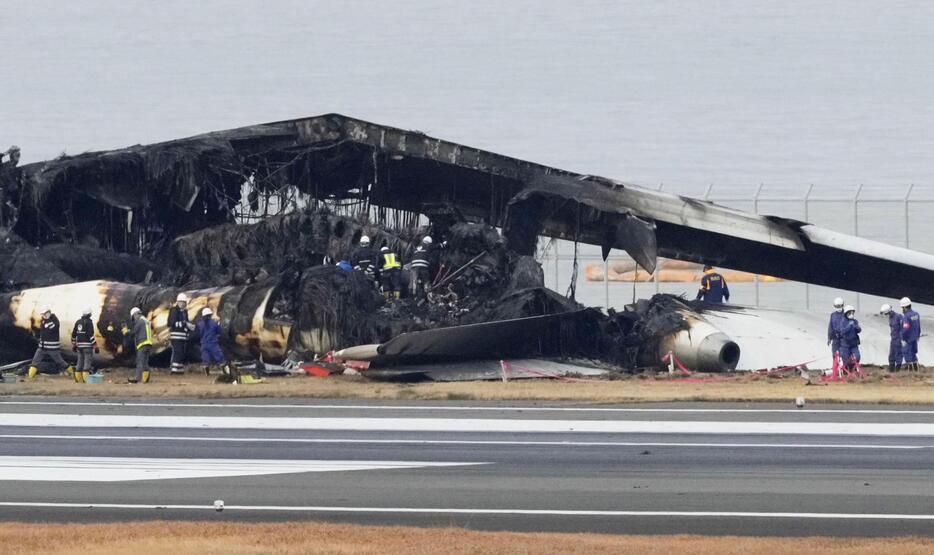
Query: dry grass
905	388
181	538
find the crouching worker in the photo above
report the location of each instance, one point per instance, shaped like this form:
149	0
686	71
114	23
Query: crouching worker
49	344
84	344
390	270
849	340
209	330
141	332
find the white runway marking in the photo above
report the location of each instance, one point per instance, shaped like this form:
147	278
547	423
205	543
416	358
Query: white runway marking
119	469
467	442
461	408
895	429
432	510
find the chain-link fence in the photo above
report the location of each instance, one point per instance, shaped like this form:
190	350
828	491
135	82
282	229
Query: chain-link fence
895	215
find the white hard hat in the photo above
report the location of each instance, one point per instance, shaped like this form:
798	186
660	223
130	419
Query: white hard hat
886	308
364	240
207	311
427	240
848	308
135	310
838	302
904	302
86	312
45	308
181	298
384	249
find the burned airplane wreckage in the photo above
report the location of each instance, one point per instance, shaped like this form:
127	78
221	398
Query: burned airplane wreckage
250	221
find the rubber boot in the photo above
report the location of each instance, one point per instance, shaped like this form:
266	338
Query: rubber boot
70	371
32	372
891	368
207	369
145	376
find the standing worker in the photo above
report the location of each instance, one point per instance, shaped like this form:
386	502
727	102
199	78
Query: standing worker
390	268
141	332
834	328
713	287
209	330
50	344
849	339
895	337
420	267
84	343
364	259
911	332
179	331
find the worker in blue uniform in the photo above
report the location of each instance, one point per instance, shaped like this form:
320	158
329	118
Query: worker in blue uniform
895	337
849	339
713	287
911	332
209	330
835	326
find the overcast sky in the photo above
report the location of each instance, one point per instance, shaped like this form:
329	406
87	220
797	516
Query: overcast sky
687	93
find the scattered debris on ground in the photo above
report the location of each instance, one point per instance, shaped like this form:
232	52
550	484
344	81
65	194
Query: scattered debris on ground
622	387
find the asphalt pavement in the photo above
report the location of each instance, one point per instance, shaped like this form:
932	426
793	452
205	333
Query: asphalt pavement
756	469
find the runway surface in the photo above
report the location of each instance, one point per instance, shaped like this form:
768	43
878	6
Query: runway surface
757	469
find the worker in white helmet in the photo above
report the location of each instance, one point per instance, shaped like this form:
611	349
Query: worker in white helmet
49	344
180	329
209	330
84	344
364	259
911	332
837	319
895	337
420	268
849	339
141	332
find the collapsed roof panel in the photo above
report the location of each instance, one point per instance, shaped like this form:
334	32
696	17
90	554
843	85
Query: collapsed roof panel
137	200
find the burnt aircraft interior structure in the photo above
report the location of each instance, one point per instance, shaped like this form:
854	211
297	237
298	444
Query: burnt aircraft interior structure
252	219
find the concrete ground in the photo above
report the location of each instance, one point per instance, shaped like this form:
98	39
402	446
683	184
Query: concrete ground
745	469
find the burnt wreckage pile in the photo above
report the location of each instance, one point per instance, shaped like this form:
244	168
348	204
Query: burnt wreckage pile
258	216
251	220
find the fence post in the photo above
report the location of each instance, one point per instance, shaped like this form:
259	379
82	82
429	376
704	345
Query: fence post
859	190
755	209
907	201
606	284
807	286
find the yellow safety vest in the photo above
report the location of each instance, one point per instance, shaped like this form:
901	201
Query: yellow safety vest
148	340
390	261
